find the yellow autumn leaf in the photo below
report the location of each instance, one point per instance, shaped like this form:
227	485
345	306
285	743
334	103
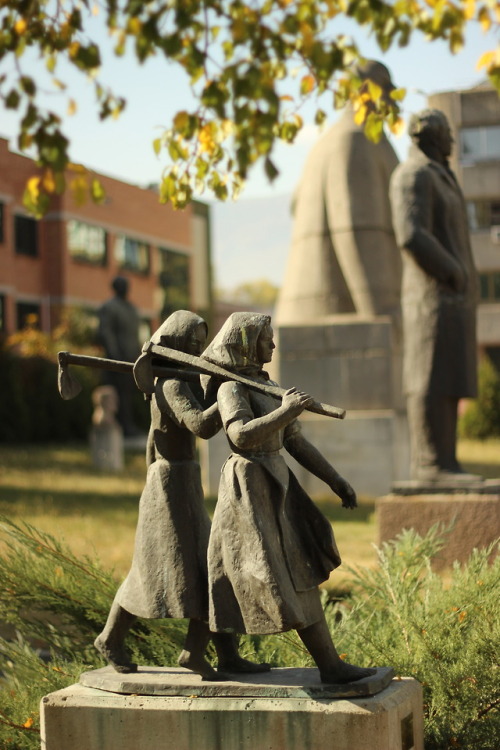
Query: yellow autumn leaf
360	114
486	60
33	187
307	84
398	94
469	9
72	107
484	19
73	49
134	26
206	139
397	127
20	26
28	723
48	181
374	90
227	128
78	187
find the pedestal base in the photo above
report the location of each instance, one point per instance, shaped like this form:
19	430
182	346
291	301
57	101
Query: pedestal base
86	718
475	517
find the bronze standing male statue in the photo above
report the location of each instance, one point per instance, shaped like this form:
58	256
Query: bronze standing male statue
439	296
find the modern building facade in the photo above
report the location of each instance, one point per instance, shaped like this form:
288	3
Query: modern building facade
474	117
69	258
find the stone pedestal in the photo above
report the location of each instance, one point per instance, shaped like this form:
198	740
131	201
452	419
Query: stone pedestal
286	709
474	512
355	363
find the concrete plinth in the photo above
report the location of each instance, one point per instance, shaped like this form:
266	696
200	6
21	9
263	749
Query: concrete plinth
475	516
86	718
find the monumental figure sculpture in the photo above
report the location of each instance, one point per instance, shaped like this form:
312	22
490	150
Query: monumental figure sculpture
168	577
344	258
269	545
439	296
119	335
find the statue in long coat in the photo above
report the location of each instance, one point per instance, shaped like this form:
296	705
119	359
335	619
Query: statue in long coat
439	296
344	257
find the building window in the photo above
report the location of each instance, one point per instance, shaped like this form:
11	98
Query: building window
86	242
483	214
26	235
28	315
131	254
490	286
175	280
480	143
1	223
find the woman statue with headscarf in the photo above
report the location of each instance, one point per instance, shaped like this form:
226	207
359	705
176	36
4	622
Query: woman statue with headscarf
168	577
270	546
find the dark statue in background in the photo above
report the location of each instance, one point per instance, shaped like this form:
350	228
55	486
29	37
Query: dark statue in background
439	297
119	335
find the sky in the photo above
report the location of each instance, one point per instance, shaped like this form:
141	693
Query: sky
257	226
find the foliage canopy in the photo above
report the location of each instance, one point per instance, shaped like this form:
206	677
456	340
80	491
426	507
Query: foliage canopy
251	64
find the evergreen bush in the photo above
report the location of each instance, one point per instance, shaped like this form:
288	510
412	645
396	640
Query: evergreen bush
443	632
481	419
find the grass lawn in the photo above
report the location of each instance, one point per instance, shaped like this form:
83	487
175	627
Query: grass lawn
56	489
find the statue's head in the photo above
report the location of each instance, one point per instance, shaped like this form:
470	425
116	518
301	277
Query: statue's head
120	286
430	131
237	344
375	71
183	330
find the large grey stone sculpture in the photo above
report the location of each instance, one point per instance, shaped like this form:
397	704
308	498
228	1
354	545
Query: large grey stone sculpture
270	546
344	258
439	296
119	335
168	576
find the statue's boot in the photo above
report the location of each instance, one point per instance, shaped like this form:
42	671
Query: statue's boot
111	642
317	639
193	654
229	660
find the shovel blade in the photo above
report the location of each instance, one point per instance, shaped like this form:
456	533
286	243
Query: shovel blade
143	374
68	385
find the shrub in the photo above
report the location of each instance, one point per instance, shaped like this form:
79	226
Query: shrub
482	417
445	634
31	409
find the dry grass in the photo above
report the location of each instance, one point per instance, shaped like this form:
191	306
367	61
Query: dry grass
56	489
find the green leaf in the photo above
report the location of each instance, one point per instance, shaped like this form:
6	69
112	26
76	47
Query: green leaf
270	170
320	117
12	99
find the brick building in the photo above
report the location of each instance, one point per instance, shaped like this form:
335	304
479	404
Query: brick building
474	117
69	258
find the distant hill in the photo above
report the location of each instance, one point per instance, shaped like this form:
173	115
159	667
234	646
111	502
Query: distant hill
251	239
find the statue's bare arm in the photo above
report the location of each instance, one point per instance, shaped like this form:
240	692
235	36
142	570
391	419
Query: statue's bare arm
186	409
248	432
311	459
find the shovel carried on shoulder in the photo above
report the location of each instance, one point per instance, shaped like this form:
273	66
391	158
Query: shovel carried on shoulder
150	365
